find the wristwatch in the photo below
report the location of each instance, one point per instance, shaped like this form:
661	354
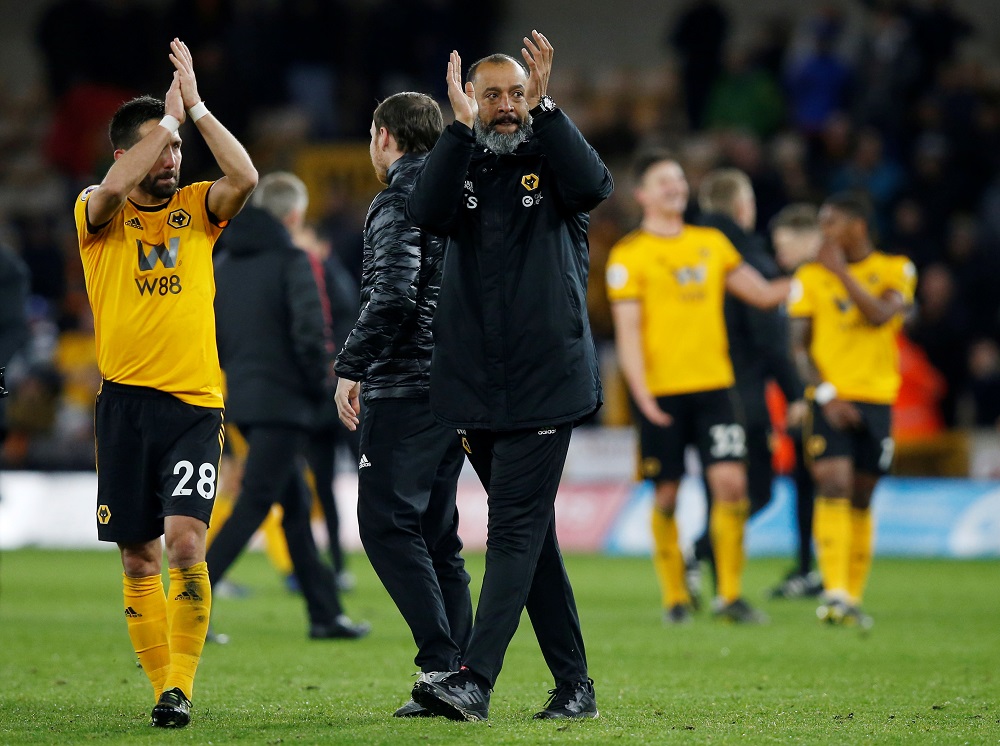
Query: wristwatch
545	103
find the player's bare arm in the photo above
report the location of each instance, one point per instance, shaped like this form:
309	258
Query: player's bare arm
840	413
627	316
462	98
537	53
228	195
801	333
877	309
749	285
132	165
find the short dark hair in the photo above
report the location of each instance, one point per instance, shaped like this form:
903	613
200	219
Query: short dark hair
856	204
646	159
494	59
413	119
125	124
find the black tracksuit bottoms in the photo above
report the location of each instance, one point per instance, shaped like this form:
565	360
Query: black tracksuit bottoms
407	481
524	568
273	473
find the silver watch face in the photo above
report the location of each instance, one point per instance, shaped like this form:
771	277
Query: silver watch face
547	103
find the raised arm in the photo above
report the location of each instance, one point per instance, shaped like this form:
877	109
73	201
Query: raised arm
437	194
227	195
749	285
132	165
627	316
582	179
878	310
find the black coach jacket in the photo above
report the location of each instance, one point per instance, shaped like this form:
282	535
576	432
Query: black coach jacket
390	346
269	325
759	339
512	341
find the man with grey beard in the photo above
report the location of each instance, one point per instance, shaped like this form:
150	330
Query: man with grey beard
514	369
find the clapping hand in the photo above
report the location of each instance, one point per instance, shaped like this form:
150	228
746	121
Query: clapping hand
173	103
180	55
538	56
463	99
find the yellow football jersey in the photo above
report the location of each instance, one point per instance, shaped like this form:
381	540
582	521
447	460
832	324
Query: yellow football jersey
850	352
151	286
681	283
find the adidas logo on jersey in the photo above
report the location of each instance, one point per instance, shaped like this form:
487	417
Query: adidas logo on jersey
547	432
133	223
364	462
132	613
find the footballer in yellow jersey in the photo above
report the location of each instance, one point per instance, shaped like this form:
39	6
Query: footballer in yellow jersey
151	285
681	282
146	247
846	310
667	283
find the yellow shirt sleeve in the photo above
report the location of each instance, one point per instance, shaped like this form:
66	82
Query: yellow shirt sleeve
800	300
623	276
904	279
86	236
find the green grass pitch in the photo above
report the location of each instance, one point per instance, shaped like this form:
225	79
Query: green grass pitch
929	672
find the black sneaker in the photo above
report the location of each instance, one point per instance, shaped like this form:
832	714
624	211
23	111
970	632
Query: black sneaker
678	614
454	695
412	710
341	629
798	585
173	710
570	700
740	612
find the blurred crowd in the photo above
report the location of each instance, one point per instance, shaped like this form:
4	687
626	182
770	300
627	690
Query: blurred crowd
900	99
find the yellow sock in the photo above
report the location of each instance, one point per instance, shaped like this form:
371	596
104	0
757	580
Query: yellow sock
726	526
668	561
189	605
832	529
862	544
146	617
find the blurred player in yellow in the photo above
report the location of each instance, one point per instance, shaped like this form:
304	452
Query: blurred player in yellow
847	308
667	283
146	246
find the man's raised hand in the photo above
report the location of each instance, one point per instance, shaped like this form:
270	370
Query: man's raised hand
537	53
173	102
463	99
181	58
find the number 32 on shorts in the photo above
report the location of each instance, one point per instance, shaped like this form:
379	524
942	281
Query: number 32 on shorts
728	441
206	479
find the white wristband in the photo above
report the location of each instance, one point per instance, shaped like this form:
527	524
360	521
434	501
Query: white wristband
197	111
825	393
170	124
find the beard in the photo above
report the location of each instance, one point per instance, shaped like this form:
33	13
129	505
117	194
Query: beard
156	187
502	143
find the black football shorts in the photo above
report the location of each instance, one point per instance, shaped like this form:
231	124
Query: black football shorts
705	419
156	456
870	446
